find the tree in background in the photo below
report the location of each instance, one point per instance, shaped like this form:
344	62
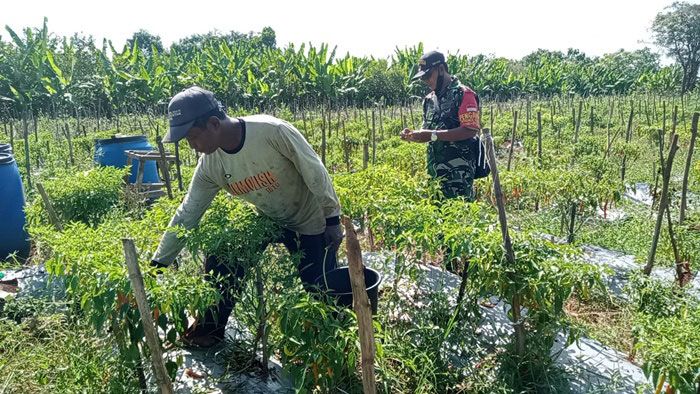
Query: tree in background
677	30
145	41
268	38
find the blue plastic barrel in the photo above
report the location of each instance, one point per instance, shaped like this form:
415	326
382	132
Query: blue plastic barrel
13	236
110	152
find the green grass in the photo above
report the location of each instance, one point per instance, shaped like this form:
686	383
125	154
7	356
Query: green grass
48	353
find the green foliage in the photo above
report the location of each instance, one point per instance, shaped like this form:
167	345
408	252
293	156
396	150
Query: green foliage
86	197
91	262
50	354
233	231
665	327
319	344
42	72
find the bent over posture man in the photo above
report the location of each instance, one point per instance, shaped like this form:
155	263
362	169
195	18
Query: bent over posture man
450	125
265	161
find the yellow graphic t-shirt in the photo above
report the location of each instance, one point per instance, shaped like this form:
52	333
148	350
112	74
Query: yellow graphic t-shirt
275	169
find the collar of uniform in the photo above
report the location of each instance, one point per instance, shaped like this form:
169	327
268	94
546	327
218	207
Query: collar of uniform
453	82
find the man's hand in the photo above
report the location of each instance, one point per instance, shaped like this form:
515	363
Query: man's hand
333	235
415	135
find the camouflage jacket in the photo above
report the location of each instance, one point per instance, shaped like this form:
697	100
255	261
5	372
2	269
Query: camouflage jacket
455	105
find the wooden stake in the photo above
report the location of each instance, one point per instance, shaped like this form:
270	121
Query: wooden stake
512	139
177	166
362	307
149	328
164	167
25	127
507	245
374	137
323	138
53	218
662	204
578	121
365	154
69	138
628	139
688	162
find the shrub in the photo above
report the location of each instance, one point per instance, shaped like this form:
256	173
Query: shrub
85	197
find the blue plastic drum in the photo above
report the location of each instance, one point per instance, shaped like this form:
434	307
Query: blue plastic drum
110	152
13	236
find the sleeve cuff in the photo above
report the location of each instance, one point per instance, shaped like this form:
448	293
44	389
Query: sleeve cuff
158	264
333	221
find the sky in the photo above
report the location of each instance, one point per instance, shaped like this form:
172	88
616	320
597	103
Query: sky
505	28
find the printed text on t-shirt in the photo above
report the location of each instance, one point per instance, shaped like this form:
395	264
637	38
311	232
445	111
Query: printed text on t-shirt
264	180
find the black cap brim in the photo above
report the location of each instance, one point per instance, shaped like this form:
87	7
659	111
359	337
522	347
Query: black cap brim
420	74
176	133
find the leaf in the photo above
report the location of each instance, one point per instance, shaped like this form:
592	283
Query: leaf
172	335
57	71
172	367
18	41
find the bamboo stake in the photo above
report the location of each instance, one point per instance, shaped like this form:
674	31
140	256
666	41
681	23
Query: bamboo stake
362	308
149	329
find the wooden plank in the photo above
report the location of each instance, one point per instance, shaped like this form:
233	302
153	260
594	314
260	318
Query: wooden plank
150	155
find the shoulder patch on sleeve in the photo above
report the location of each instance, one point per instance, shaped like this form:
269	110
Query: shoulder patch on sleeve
469	109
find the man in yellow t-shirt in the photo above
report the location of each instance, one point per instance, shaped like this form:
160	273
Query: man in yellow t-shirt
262	160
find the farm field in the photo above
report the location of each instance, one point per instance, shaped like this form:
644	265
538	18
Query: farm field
595	157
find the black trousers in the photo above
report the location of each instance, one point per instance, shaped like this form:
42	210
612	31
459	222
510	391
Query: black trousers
311	265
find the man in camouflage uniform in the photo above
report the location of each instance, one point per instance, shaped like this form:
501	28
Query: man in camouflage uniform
450	125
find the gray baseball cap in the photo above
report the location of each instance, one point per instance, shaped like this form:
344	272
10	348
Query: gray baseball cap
185	108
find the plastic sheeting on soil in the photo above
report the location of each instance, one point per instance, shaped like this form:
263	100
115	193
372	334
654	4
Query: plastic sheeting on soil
592	367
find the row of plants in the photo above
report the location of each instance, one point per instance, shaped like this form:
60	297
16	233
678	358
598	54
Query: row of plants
399	209
44	73
319	349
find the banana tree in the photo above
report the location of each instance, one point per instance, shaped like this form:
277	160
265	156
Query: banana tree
25	75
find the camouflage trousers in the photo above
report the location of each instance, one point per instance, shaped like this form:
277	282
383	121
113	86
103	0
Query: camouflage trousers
455	168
